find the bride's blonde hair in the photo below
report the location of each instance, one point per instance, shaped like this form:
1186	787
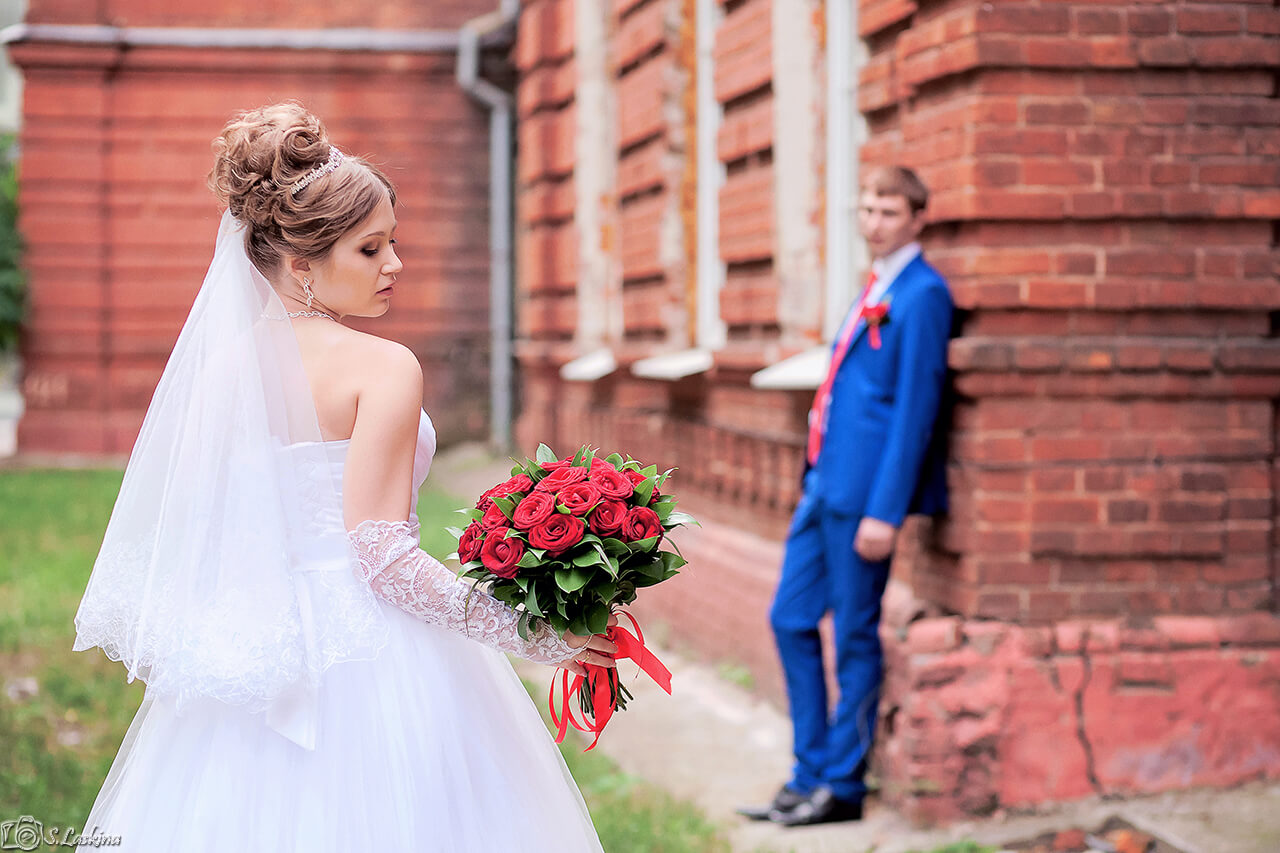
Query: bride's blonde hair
259	157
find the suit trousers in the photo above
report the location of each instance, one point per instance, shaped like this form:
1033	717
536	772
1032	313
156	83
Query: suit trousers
821	572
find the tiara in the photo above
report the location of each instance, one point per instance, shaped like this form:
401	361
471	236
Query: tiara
334	161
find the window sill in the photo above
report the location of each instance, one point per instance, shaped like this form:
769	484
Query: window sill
803	371
590	367
674	365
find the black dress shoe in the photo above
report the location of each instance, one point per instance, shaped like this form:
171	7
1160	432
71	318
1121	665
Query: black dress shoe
784	801
822	806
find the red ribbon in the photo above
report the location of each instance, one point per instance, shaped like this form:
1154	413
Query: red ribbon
602	681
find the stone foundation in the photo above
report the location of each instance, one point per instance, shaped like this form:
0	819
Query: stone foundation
986	715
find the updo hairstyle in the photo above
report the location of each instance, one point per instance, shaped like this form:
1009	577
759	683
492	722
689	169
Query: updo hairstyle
260	155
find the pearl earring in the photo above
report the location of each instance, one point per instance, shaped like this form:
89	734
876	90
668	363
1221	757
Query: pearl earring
306	288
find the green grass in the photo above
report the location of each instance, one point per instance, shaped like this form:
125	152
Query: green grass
56	747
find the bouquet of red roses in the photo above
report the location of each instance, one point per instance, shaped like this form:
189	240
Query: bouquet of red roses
568	541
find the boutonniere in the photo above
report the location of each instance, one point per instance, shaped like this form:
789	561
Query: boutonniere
875	316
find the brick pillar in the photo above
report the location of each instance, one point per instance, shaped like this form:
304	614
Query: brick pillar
64	221
1106	210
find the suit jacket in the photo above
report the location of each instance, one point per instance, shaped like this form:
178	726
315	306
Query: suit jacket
883	454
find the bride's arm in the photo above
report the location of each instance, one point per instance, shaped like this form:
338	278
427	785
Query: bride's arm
377	489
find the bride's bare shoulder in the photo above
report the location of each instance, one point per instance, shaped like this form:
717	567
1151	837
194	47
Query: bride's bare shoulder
381	368
380	364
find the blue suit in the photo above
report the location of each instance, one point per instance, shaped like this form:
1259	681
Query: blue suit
882	457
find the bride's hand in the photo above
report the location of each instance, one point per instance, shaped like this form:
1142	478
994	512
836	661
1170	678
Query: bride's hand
595	649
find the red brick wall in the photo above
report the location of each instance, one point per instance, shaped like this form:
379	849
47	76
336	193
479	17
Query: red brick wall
1108	178
1106	210
300	14
120	226
1105	207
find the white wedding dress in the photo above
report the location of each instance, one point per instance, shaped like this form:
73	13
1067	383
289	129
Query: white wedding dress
433	745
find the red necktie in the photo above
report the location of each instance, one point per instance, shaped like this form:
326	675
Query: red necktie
821	400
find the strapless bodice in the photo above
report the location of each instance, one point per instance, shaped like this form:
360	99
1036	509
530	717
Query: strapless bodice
424	451
321	465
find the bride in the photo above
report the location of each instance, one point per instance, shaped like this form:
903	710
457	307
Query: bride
313	677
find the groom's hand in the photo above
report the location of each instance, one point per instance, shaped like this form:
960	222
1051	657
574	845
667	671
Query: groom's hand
874	540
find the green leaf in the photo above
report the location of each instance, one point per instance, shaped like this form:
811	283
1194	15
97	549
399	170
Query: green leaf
671	561
614	459
455	532
507	505
572	580
545	454
579	456
529	561
509	595
616	547
522	625
559	623
471	513
598	619
647	544
531	602
682	518
644	491
606	590
652	570
590	558
650	471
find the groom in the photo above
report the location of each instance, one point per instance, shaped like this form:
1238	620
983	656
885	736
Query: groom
873	456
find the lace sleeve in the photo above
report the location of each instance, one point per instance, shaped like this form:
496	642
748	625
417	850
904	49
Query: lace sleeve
401	573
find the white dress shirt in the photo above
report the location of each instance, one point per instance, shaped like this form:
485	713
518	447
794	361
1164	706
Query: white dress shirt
889	268
886	269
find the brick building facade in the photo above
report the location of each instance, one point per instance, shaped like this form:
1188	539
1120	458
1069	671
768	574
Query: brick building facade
122	101
1098	613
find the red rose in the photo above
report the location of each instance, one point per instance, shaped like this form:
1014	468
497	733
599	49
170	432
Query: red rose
557	465
518	483
493	517
500	554
558	533
579	498
597	462
533	509
637	478
640	523
469	542
561	477
612	483
607	517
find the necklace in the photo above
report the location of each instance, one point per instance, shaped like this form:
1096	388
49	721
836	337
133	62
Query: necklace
310	314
